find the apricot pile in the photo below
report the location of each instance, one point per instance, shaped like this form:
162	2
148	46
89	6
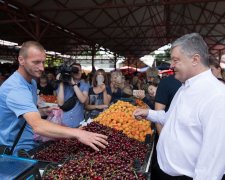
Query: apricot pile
120	117
140	103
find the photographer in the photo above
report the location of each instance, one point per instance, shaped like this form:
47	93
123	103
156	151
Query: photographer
72	94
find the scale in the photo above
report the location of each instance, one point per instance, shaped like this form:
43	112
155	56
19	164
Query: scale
12	167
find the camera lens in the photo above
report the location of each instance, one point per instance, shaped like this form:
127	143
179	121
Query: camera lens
75	69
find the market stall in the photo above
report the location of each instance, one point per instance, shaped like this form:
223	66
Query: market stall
128	155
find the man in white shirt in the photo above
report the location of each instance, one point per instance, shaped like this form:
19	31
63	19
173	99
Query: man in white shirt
192	141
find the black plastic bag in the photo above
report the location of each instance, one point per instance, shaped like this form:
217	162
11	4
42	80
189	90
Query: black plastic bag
4	149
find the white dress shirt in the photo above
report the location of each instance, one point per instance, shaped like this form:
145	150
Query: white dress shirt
192	141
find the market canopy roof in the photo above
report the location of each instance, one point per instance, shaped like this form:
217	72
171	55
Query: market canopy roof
131	28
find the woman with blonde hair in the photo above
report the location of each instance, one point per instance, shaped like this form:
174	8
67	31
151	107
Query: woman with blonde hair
118	86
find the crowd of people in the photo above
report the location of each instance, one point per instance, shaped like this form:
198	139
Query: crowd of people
187	107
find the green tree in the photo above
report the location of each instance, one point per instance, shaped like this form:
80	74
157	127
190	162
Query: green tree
163	56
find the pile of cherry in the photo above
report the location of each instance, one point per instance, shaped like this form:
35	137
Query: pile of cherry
81	162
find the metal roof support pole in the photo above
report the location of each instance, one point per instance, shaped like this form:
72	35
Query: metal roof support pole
93	51
128	63
37	28
219	53
115	60
136	65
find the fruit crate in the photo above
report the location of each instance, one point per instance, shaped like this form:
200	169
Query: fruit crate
41	164
147	165
124	158
130	100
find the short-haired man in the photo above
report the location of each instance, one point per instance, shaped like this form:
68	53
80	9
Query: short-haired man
18	103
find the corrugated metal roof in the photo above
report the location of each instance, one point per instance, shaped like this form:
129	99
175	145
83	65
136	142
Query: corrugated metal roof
131	28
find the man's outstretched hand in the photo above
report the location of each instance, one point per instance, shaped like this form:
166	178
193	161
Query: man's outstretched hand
94	140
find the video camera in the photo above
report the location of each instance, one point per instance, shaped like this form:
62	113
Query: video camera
66	72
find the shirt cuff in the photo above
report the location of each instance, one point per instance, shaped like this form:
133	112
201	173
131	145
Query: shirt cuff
156	116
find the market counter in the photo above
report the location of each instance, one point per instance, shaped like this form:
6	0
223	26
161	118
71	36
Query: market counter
124	157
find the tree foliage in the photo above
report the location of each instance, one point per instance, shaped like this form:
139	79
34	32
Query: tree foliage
163	56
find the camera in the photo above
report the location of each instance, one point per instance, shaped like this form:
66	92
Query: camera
66	72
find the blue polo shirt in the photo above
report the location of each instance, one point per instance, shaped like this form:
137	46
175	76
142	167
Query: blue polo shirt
17	97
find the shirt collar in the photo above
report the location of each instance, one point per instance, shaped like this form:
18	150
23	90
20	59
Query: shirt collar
24	80
197	78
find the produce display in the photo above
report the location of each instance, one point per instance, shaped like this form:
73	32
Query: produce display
49	98
114	162
140	103
120	117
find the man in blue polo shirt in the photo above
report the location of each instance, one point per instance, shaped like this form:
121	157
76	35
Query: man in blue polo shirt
13	105
18	103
